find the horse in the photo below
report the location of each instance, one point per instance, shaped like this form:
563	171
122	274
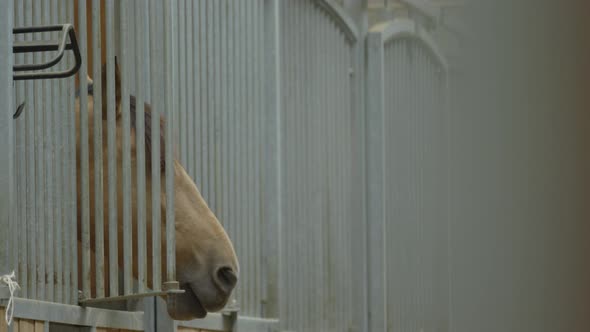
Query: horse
206	263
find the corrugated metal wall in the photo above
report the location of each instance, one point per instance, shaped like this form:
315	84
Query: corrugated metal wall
315	239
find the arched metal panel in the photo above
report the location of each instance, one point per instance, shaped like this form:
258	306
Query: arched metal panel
408	179
317	49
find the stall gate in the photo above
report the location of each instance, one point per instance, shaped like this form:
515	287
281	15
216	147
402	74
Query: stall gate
263	102
408	179
317	194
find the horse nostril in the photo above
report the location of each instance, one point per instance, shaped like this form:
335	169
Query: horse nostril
225	278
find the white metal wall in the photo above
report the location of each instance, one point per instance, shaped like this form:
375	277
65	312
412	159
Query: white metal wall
316	189
408	180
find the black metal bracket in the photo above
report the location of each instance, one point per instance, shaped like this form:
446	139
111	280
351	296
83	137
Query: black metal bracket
44	46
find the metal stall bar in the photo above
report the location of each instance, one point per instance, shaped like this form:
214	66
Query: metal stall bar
156	70
39	170
222	156
58	114
46	223
212	102
201	126
375	209
272	250
98	157
249	155
31	174
112	152
285	278
61	120
196	78
189	159
84	155
141	71
50	99
72	171
240	154
170	33
126	149
305	241
21	168
12	251
324	74
181	120
258	155
7	141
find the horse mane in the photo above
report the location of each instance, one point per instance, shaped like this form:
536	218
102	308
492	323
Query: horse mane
148	132
147	128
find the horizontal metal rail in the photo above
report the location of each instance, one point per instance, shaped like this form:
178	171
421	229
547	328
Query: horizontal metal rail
60	46
76	315
130	296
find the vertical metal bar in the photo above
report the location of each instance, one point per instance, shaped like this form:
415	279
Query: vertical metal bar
98	159
73	229
189	160
12	251
66	174
215	166
375	215
182	110
304	241
219	72
126	151
197	101
7	130
140	71
21	168
284	117
208	123
233	87
31	205
157	105
111	109
250	112
39	178
213	36
324	173
58	113
258	155
297	126
43	226
50	101
249	109
203	74
84	155
223	109
171	105
240	145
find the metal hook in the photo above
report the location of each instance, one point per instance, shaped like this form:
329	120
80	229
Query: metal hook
19	110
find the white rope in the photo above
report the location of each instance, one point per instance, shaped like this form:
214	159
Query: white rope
10	281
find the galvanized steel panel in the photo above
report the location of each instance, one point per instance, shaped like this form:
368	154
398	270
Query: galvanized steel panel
407	179
44	181
317	48
220	65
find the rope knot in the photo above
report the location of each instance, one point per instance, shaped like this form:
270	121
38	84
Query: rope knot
9	280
